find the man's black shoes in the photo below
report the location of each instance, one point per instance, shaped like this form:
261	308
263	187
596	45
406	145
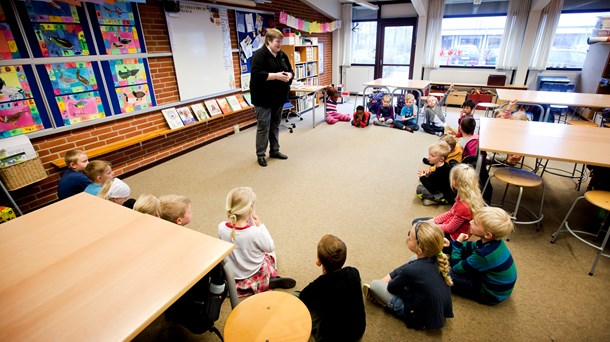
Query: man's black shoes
262	161
278	155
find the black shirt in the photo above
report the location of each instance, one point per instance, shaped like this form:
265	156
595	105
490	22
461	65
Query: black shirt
266	93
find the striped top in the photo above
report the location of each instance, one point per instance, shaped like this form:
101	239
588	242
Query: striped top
491	261
331	106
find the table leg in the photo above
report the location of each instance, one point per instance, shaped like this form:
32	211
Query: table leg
11	199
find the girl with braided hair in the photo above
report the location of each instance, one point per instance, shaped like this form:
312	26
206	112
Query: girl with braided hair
418	292
253	259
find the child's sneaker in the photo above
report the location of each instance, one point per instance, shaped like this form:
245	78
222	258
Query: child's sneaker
281	283
366	290
428	202
420	196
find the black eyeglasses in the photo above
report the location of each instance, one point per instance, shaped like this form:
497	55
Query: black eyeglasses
416	228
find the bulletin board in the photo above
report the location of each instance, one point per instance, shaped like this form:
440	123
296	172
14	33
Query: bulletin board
250	28
201	48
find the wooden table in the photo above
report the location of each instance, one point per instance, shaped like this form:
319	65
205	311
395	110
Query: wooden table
417	86
85	268
269	316
554	98
570	143
314	90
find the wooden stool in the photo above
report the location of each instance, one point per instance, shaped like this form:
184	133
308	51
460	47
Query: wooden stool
522	179
600	199
581	123
489	107
269	316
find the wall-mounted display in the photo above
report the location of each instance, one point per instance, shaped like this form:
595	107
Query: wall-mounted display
61	40
132	98
80	107
128	71
119	13
51	12
120	40
19	117
8	47
73	77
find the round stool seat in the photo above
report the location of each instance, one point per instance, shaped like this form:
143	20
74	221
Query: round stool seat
437	94
581	123
488	105
607	125
518	177
599	198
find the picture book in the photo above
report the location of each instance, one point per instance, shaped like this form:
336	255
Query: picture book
212	107
233	102
242	102
186	115
247	98
224	105
172	118
200	112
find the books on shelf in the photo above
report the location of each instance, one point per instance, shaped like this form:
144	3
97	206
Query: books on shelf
185	115
212	107
172	118
248	98
242	102
224	105
200	112
233	102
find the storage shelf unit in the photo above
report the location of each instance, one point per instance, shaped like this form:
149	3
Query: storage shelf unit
304	60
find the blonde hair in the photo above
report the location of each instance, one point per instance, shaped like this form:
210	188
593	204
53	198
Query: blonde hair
440	149
173	207
272	34
409	97
495	221
386	98
450	140
519	116
72	156
105	189
332	252
239	202
96	168
430	238
465	181
148	204
432	98
500	112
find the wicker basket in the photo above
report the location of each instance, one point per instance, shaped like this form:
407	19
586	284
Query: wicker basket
25	173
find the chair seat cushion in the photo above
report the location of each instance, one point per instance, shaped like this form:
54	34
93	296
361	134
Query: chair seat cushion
518	177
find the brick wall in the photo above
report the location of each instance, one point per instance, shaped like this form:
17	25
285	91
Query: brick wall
138	157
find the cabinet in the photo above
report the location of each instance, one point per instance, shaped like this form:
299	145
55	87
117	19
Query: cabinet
304	61
595	73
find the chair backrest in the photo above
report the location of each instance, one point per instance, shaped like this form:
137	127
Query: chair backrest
496	80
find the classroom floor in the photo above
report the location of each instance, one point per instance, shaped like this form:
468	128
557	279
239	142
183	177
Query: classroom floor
359	184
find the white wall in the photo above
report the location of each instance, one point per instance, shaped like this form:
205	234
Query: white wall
463	75
330	8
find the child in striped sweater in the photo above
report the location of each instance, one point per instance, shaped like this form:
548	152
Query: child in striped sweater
332	115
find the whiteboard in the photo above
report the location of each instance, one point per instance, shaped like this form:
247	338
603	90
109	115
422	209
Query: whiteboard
201	49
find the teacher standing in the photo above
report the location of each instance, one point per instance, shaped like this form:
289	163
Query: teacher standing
271	75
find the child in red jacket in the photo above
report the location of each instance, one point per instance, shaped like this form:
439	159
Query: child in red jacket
361	117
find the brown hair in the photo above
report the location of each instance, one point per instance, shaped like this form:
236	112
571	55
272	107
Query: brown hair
173	207
96	168
272	34
332	252
332	93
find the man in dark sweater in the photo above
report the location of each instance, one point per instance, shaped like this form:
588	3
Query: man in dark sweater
334	299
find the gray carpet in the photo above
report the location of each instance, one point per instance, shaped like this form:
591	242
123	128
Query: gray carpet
359	184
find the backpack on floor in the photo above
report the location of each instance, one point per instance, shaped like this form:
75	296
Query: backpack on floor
375	101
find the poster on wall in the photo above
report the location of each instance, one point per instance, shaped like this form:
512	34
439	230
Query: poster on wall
120	40
19	117
13	84
119	13
80	107
51	12
8	47
61	40
134	98
74	77
128	72
250	37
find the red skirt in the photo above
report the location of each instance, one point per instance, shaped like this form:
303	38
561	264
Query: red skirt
258	282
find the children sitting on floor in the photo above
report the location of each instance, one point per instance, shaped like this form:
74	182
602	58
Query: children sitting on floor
435	187
467	108
334	299
385	112
98	171
332	115
434	118
74	180
455	152
469	141
361	117
148	204
484	270
176	209
407	119
115	190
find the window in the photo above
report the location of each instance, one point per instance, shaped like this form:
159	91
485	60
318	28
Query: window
471	41
364	42
570	47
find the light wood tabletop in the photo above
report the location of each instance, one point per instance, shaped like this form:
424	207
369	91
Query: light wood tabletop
555	98
88	269
397	83
570	143
308	89
269	316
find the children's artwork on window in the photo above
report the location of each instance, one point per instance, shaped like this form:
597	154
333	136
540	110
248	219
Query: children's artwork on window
119	13
80	107
8	48
61	40
120	39
128	72
133	98
19	117
13	84
51	12
74	77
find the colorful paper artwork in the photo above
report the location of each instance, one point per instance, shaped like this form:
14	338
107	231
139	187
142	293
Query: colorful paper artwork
74	77
61	40
8	48
51	12
133	98
185	115
80	107
128	72
119	13
13	84
19	117
120	39
172	118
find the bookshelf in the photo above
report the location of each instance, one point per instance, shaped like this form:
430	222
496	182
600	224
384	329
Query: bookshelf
304	61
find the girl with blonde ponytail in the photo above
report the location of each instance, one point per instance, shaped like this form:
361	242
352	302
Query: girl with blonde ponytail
253	259
418	292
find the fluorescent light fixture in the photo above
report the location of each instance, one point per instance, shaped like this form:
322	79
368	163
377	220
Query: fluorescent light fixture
365	4
248	3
